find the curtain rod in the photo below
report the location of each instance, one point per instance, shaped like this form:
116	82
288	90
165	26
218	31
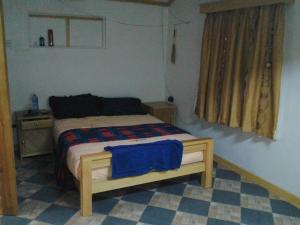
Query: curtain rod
227	5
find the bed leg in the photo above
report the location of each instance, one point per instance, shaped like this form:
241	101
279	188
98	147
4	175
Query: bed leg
206	177
86	187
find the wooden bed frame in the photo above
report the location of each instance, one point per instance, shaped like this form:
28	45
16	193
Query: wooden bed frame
89	186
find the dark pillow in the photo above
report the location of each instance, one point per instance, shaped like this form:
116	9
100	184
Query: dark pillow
75	106
121	106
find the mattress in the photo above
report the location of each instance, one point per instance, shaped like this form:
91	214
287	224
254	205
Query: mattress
75	152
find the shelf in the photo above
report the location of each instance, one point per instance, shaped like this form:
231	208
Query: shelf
70	31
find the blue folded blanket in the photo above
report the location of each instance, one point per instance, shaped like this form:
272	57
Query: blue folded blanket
134	160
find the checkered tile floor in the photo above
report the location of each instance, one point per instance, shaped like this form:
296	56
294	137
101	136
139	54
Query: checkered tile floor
181	201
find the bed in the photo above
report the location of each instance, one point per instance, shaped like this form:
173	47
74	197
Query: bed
91	166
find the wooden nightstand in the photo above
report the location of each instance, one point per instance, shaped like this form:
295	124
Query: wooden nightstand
34	134
164	111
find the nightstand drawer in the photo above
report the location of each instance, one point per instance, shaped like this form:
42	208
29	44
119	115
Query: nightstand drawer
37	124
165	115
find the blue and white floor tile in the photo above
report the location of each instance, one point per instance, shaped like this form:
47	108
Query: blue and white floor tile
181	201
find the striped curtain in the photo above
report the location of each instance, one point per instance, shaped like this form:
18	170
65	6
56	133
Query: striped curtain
241	64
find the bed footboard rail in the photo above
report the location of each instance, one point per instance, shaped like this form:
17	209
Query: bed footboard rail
88	163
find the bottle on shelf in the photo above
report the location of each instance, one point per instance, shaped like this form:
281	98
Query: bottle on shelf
42	41
35	103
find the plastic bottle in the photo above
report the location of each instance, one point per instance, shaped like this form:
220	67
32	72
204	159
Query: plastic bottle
35	103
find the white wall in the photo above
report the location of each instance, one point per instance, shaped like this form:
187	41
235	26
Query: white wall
131	65
276	161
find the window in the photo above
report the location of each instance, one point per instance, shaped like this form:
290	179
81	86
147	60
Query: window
241	68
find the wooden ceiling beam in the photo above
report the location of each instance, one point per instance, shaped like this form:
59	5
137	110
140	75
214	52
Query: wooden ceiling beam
149	2
238	4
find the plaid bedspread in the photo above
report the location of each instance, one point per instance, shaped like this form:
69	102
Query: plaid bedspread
73	137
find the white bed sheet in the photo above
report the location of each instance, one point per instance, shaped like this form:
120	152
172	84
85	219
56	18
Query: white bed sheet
75	152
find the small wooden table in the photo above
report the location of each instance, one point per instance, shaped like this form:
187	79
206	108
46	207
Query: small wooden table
34	133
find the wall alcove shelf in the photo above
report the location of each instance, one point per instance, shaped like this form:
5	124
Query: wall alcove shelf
8	192
165	3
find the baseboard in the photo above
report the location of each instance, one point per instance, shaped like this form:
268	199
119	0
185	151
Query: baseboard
283	194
